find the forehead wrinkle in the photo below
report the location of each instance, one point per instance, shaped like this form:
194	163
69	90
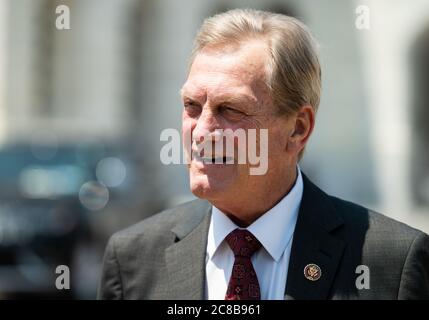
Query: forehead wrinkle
216	75
192	92
255	53
234	98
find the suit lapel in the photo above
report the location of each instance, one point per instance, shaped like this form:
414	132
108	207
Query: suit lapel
314	242
185	258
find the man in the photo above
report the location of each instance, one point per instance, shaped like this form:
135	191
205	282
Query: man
269	236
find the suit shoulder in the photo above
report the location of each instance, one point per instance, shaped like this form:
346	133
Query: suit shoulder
163	221
358	216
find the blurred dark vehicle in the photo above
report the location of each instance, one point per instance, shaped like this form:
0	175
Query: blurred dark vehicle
42	219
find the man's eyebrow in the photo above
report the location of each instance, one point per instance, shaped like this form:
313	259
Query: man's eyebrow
223	98
186	94
236	98
187	91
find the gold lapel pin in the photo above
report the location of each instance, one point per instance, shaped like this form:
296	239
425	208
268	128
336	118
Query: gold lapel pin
312	272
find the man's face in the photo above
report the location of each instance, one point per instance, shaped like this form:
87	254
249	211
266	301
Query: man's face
226	89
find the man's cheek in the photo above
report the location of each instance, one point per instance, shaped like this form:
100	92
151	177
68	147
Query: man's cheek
187	143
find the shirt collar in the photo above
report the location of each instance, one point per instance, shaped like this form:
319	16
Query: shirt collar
274	229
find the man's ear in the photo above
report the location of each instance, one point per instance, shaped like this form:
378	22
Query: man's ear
302	127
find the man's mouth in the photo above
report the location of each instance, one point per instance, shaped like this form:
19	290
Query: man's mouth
214	160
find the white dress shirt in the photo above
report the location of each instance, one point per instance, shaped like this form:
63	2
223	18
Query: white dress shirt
274	230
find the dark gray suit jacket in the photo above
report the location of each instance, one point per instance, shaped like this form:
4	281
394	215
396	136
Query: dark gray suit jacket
163	257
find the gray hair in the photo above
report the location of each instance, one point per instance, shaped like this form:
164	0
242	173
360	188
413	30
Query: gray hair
294	76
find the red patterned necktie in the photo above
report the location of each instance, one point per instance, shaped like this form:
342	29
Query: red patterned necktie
243	284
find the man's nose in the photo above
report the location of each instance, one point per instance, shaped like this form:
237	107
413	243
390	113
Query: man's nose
206	125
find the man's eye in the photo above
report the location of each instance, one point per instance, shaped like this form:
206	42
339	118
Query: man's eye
192	108
226	109
230	109
231	112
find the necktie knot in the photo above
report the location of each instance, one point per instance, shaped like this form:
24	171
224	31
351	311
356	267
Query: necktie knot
243	243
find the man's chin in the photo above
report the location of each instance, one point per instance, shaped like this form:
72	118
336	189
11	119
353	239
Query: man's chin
206	190
203	192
